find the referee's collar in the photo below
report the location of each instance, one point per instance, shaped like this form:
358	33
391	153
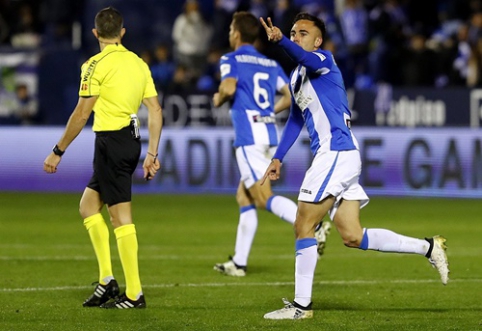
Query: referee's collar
114	46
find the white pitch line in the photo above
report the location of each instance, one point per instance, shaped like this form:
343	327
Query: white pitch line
271	284
47	258
171	257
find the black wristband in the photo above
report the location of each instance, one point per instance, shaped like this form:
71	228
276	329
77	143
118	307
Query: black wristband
57	151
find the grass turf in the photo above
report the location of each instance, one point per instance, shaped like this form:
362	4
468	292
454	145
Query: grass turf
47	265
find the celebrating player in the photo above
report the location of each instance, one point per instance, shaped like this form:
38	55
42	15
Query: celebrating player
331	183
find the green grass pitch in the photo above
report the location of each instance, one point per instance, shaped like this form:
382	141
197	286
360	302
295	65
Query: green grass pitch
47	265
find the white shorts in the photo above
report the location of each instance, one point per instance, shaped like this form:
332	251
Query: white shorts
253	160
334	173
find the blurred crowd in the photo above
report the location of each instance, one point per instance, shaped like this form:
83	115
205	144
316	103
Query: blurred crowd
430	43
29	24
396	42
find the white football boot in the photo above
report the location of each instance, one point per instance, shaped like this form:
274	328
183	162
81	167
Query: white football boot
290	312
438	257
230	268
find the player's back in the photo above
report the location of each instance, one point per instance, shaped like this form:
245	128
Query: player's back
257	80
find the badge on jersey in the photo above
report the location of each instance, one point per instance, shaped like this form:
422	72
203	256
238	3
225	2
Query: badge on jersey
225	69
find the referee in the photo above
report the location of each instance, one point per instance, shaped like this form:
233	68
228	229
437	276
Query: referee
113	84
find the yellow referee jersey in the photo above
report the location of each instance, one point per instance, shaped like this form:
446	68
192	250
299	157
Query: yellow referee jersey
120	80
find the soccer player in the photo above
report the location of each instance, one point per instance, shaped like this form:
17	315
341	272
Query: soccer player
250	80
331	183
113	84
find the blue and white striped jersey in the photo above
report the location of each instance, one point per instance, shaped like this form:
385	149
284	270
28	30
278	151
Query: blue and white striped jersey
252	111
319	102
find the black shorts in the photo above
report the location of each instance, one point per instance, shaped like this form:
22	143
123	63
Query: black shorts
116	157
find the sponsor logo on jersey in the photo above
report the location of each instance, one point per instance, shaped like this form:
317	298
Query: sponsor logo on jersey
303	100
89	71
84	87
264	119
303	190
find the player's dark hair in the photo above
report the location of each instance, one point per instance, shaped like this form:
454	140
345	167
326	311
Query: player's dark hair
109	23
247	25
317	21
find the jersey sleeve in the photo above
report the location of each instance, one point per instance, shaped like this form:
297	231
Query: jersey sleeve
292	130
89	79
228	67
150	90
318	61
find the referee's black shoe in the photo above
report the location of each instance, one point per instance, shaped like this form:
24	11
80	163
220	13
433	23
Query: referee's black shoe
123	302
102	294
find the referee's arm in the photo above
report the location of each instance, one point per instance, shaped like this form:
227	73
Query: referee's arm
77	121
154	124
